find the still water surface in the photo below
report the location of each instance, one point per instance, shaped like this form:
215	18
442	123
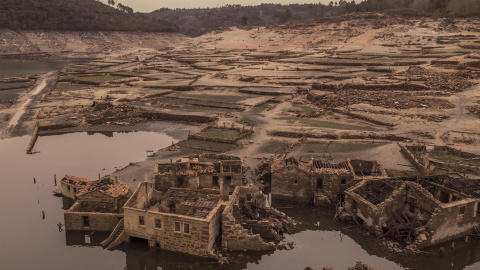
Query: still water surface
29	242
20	67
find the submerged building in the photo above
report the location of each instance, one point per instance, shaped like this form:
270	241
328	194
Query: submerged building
317	182
200	172
200	222
423	211
98	203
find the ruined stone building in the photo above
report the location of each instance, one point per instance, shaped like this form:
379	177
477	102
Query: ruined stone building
453	162
415	211
200	172
98	203
317	182
200	222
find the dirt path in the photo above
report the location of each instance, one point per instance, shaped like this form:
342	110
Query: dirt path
42	84
460	119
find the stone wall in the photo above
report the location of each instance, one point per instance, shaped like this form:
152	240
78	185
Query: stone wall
164	181
103	201
198	241
242	134
292	183
234	236
416	163
331	187
68	191
74	220
448	224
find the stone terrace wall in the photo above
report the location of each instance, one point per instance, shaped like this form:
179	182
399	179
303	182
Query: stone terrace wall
243	133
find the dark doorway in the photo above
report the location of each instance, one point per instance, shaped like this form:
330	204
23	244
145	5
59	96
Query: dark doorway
179	182
86	221
215	181
227	180
319	183
444	197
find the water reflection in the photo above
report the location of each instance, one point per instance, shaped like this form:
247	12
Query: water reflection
22	67
24	233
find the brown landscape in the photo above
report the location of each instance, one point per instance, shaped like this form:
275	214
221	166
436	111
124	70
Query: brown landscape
348	108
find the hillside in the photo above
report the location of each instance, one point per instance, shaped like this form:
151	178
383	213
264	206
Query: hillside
84	15
196	22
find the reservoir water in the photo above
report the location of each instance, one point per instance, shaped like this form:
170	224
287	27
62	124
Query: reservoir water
30	242
22	67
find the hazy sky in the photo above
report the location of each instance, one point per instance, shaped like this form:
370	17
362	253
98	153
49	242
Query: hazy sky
151	5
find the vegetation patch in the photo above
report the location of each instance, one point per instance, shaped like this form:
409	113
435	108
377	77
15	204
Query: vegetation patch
222	134
66	86
85	15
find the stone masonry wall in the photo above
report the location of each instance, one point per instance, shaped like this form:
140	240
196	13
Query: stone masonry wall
293	184
197	242
236	238
448	224
98	221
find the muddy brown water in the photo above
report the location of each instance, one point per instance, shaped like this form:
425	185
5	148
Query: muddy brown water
30	242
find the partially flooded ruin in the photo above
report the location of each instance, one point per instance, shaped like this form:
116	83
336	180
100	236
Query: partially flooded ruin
307	144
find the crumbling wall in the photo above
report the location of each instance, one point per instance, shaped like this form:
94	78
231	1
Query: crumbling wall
102	201
332	186
74	220
164	181
411	157
197	242
447	223
235	237
292	183
68	191
358	207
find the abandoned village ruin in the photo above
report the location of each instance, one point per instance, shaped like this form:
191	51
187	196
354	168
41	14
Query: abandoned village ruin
200	205
267	140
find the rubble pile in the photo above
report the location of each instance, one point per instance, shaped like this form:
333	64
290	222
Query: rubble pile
474	109
268	222
384	99
106	113
452	82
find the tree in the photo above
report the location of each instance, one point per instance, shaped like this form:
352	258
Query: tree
244	20
286	16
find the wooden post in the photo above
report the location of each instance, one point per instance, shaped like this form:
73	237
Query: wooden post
55	179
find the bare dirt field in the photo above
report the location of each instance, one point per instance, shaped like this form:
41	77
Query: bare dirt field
352	88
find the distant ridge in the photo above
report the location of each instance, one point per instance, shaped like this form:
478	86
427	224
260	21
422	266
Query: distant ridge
81	15
199	21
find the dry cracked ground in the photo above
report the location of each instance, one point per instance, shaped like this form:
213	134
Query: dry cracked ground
353	88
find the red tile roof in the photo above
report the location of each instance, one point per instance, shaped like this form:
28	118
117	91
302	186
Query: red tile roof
107	186
78	182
